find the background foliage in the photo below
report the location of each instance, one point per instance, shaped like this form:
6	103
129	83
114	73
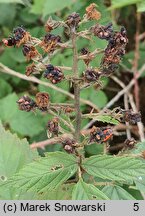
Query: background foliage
14	152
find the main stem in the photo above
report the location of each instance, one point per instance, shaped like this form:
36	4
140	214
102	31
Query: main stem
76	88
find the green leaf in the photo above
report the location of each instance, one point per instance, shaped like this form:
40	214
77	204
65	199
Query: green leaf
99	98
14	154
5	88
24	123
12	1
102	118
84	191
140	183
119	4
114	168
117	193
37	6
45	174
64	192
141	6
55	5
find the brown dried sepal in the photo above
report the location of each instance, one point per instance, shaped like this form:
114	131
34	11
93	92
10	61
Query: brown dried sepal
86	52
130	143
116	48
92	75
69	145
103	32
73	20
21	36
92	13
42	100
51	24
143	154
53	127
31	69
131	117
25	103
30	52
50	42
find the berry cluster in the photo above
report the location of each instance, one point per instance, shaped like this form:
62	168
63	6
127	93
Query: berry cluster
69	145
25	103
54	74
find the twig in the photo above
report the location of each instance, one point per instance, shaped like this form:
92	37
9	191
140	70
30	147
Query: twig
51	141
126	89
5	69
126	106
76	88
139	124
136	58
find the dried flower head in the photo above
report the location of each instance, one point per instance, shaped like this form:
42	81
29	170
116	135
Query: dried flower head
51	24
50	42
53	127
92	13
25	103
86	52
130	143
54	74
73	20
31	69
30	52
69	145
115	48
108	69
42	100
103	32
21	36
131	117
100	135
92	75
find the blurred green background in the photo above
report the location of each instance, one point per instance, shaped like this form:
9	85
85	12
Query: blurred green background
33	15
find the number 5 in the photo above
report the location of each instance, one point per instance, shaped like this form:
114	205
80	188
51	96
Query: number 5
136	207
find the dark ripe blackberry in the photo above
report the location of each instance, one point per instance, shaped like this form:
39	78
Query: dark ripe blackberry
50	67
25	103
19	30
73	20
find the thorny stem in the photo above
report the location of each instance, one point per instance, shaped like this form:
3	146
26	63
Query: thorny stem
136	58
76	88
